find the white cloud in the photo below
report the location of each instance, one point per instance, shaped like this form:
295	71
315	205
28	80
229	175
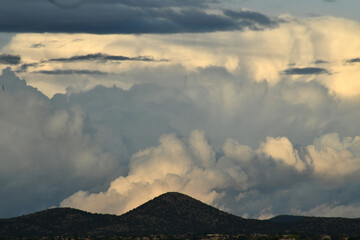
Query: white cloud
175	165
335	158
282	150
239	176
252	55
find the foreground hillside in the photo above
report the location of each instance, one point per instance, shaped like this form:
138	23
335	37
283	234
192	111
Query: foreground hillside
168	214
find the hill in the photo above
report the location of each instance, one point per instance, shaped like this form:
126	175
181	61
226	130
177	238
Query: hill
333	226
169	214
176	213
54	222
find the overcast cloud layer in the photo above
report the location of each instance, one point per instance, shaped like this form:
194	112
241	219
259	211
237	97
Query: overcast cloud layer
258	123
80	16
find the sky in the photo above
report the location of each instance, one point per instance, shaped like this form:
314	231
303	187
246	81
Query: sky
251	106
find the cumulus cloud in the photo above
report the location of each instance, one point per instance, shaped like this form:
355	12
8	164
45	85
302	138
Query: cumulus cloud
250	55
45	154
274	142
242	165
189	165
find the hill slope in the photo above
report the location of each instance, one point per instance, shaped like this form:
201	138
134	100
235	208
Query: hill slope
169	214
54	222
176	213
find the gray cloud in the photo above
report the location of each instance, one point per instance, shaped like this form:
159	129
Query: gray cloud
123	17
79	58
249	17
320	61
71	71
305	71
45	154
354	60
37	45
101	57
10	59
25	66
329	1
68	4
271	175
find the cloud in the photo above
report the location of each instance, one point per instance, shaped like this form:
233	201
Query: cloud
100	57
329	1
70	71
242	161
234	179
135	3
331	210
250	55
25	66
37	45
274	142
121	17
45	154
319	61
305	71
68	4
248	17
9	59
354	60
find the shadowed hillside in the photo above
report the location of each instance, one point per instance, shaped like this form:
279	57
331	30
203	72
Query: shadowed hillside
176	213
169	214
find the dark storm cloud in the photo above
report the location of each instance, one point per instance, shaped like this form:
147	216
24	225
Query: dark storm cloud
160	3
250	17
9	59
101	57
354	60
305	71
106	17
71	71
66	4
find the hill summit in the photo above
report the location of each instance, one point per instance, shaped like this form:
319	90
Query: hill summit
176	213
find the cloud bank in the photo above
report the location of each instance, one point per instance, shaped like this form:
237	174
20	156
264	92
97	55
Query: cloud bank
109	17
304	50
242	180
45	154
219	120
